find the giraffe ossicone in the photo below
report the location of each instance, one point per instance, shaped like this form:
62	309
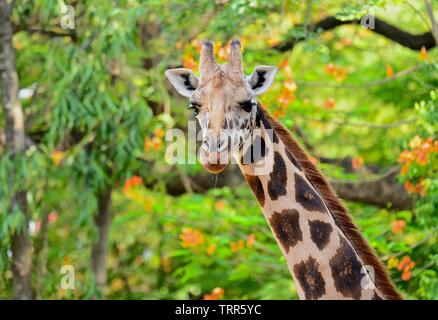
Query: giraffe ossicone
325	254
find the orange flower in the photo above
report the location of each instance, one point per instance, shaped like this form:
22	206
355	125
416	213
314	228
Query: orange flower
330	103
189	62
415	188
313	160
250	240
37	225
148	144
116	284
222	51
329	68
404	170
398	226
219	205
422	149
406	157
57	157
17	45
191	237
148	204
409	186
357	163
406	264
406	275
215	294
197	45
347	41
328	35
339	73
211	249
421	157
237	245
290	85
279	113
423	54
284	64
273	41
286	97
415	142
52	217
157	143
132	182
159	133
389	71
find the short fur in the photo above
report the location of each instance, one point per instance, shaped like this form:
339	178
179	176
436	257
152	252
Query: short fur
339	212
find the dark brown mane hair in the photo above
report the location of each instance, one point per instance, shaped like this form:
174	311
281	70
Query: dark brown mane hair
339	212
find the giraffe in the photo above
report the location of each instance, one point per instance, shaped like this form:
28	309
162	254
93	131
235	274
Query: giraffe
325	254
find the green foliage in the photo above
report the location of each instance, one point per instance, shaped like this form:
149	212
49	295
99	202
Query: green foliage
101	106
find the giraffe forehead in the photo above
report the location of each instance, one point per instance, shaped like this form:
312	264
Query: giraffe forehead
223	89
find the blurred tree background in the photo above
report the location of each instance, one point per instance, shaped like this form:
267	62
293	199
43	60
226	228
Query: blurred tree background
83	180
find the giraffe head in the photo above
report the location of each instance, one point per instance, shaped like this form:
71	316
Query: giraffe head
223	100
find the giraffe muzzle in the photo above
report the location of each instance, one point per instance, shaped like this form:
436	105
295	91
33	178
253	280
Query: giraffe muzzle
214	155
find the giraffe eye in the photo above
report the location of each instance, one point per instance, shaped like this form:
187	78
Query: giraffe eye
246	105
195	107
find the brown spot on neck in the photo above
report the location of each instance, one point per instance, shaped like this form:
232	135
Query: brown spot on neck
320	233
346	270
306	196
286	227
278	178
257	188
310	278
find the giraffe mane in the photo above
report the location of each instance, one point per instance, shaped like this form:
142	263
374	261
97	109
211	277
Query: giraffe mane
337	209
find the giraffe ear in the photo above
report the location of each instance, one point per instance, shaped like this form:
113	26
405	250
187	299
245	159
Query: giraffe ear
261	79
183	80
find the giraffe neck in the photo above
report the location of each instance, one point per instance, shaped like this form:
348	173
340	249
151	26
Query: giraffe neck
321	259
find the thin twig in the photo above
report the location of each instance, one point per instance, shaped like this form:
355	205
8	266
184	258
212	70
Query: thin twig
412	247
419	13
185	180
364	85
45	32
375	126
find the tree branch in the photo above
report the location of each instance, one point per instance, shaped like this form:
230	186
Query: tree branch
15	141
381	192
432	20
49	33
406	39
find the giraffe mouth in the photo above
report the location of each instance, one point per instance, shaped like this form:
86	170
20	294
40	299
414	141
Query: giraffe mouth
215	168
214	162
